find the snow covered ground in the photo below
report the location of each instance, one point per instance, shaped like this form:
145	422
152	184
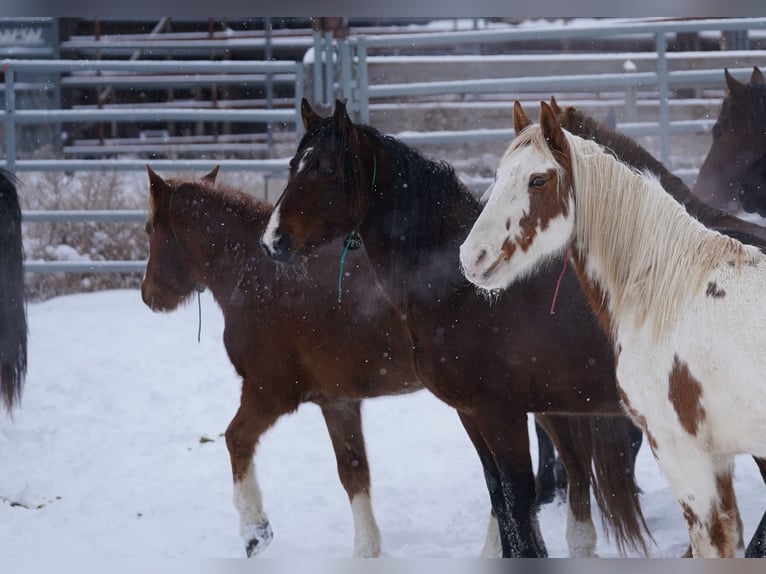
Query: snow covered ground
117	452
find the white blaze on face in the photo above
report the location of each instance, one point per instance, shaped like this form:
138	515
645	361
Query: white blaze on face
508	202
270	236
304	159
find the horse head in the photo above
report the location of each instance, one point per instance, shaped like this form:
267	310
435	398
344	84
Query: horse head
169	279
529	214
736	161
321	199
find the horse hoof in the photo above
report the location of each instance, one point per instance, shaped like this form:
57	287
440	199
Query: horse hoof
257	538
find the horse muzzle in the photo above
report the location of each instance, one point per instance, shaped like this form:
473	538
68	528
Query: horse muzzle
278	248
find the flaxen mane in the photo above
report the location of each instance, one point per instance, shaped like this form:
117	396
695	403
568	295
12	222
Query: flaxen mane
650	264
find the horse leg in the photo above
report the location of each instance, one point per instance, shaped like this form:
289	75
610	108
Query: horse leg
703	485
545	480
580	533
503	448
250	422
344	423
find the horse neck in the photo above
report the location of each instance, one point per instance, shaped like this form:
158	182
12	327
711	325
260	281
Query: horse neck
417	216
630	152
640	248
219	233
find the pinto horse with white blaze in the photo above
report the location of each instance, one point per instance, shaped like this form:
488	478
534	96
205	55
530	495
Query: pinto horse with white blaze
672	295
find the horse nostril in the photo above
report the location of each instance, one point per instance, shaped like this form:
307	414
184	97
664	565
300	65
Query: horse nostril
278	248
481	256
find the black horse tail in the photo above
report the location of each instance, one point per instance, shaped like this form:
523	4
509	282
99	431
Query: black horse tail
13	310
613	479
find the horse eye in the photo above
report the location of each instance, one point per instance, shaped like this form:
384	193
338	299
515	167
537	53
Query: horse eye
327	166
536	181
148	227
716	131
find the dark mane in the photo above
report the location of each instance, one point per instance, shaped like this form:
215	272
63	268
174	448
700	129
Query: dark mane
425	194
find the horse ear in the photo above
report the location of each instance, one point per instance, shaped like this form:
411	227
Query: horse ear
308	115
340	115
551	128
210	177
757	76
737	90
157	185
520	118
555	106
155	181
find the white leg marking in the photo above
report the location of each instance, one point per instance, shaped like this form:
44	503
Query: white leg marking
254	525
366	533
493	548
581	537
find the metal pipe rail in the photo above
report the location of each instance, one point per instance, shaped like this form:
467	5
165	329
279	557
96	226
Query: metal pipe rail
360	92
570	31
12	116
263	165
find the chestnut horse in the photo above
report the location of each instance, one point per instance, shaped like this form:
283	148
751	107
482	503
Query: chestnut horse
411	214
201	236
672	295
733	175
13	310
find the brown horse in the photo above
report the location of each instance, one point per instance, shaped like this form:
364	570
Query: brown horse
733	175
13	311
628	151
288	346
412	213
201	236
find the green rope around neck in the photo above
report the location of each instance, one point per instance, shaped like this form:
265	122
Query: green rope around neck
352	241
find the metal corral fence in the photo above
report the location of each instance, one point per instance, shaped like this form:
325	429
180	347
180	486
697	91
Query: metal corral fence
354	83
194	72
345	65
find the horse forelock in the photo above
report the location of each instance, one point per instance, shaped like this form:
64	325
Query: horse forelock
639	244
560	162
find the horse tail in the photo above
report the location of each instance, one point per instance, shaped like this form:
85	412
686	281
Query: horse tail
613	481
13	311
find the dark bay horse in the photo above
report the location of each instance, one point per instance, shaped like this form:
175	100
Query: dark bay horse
13	311
411	214
291	345
733	175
